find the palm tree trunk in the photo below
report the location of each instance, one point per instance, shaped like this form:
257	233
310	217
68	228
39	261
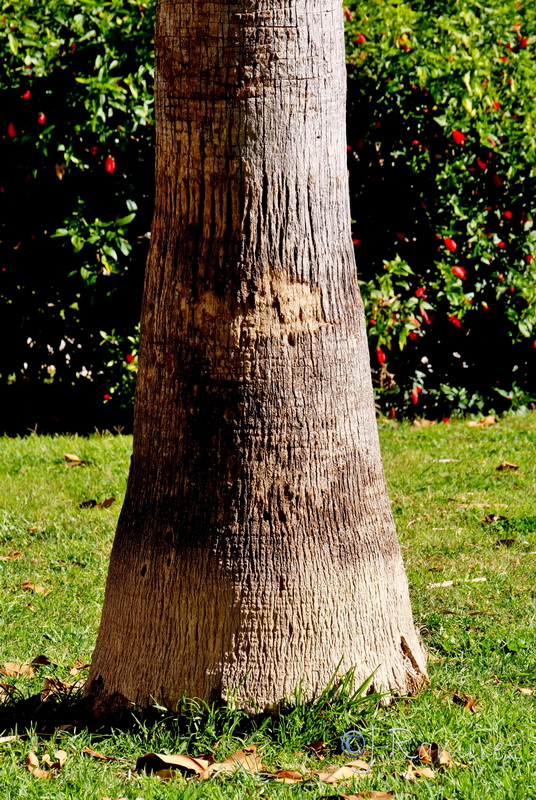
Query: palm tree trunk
256	546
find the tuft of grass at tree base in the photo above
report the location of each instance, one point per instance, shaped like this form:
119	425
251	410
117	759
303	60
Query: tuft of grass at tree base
468	534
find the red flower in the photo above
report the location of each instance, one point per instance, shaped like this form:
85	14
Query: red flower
415	396
356	242
93	150
504	59
41	118
415	141
347	14
413	335
446	420
450	244
498	181
130	358
501	244
528	258
11	131
107	396
508	214
27	94
425	316
420	292
109	164
534	344
455	321
500	277
359	39
485	306
459	272
523	41
372	322
481	164
458	137
348	147
380	355
496	105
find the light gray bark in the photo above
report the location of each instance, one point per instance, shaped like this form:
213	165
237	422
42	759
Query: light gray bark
256	546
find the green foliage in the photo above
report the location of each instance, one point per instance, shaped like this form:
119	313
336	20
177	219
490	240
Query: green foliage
442	155
75	203
442	151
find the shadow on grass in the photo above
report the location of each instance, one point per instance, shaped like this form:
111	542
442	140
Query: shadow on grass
295	722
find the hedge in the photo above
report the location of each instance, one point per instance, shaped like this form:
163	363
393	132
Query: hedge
441	155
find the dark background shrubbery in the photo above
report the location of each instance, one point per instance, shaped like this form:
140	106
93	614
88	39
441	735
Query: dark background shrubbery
441	154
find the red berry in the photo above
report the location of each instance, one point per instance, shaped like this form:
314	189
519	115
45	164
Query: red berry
41	118
359	39
413	335
380	355
347	14
415	141
415	396
481	164
459	272
420	292
496	105
498	181
93	150
130	358
27	94
107	396
528	258
11	131
450	244
348	147
508	214
501	244
446	420
356	242
458	137
455	321
523	41
109	164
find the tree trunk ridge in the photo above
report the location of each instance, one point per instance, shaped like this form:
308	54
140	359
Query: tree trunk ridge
256	546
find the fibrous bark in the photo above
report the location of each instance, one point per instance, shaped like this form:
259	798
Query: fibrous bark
256	546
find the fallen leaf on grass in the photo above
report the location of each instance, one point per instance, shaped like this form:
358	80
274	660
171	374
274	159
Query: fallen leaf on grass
7	690
29	586
246	758
77	666
93	753
72	460
505	542
469	703
506	465
6	739
13	669
352	770
493	518
93	503
53	686
287	776
158	763
13	555
32	765
371	794
451	583
485	422
524	690
423	423
319	749
414	773
41	661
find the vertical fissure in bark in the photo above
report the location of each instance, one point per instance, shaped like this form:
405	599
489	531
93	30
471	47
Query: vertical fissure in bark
256	502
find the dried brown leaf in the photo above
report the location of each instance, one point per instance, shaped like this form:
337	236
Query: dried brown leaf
13	669
32	608
107	502
93	753
72	460
61	758
13	555
505	542
506	465
6	739
288	776
525	690
77	666
469	703
157	762
41	660
414	773
423	423
352	770
29	586
319	749
493	518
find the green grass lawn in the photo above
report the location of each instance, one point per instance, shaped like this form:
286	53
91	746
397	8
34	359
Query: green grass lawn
480	634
